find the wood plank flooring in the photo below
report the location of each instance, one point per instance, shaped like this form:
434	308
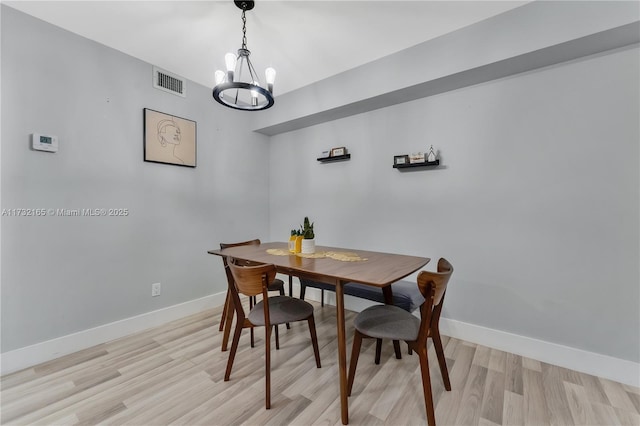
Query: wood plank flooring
173	374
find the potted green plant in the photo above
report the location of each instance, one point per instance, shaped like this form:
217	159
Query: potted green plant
309	237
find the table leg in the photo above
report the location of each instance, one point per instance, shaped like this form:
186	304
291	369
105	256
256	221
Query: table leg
388	299
342	351
290	286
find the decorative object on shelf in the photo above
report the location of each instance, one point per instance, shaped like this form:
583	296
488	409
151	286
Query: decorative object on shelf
431	157
417	158
335	154
169	139
338	152
309	242
234	92
400	159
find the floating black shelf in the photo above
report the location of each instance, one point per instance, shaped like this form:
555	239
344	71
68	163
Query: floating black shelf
336	158
412	165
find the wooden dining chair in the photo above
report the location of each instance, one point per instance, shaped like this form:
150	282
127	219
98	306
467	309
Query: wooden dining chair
270	311
227	315
391	322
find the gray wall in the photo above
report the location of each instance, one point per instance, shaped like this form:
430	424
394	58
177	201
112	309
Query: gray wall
65	274
536	203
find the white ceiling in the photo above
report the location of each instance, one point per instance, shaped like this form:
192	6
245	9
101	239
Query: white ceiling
305	41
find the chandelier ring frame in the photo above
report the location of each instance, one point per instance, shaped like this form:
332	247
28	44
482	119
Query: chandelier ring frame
222	87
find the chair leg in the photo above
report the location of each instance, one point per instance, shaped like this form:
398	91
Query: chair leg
223	318
234	348
426	386
227	325
252	301
396	348
277	337
355	354
437	344
321	297
267	367
314	339
409	350
378	350
282	294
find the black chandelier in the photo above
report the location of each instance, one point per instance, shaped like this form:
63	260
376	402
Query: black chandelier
234	92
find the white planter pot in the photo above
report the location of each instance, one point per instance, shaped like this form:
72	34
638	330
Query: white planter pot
308	246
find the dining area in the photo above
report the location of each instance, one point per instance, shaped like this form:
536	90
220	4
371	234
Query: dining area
129	318
251	268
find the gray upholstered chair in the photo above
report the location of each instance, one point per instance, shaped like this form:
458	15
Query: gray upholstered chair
270	311
391	322
227	318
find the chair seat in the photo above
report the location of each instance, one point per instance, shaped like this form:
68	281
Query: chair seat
387	322
282	309
276	285
405	293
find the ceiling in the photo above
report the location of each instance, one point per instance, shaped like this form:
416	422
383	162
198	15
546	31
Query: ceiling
305	41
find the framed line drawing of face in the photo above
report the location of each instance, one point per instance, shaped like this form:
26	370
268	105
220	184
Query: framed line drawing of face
169	139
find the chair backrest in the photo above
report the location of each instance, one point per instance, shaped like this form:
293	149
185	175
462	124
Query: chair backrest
243	243
433	286
224	258
252	280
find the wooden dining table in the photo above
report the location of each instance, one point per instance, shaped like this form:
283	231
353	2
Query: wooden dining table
373	268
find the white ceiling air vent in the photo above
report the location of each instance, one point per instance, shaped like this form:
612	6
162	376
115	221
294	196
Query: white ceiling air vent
168	82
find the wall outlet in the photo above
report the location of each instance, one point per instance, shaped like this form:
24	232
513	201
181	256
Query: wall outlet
155	289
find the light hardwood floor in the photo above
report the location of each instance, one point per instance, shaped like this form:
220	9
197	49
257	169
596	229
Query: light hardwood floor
173	374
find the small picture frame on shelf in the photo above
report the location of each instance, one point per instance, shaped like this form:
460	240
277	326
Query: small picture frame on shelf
337	152
400	159
417	158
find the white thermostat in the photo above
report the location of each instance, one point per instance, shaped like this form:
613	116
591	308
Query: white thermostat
42	142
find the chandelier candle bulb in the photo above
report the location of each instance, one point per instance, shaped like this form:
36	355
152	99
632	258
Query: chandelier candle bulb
230	61
270	77
219	76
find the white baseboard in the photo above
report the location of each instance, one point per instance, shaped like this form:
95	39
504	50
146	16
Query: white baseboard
596	364
51	349
599	365
616	369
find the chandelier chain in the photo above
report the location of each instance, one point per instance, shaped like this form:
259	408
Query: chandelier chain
244	30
